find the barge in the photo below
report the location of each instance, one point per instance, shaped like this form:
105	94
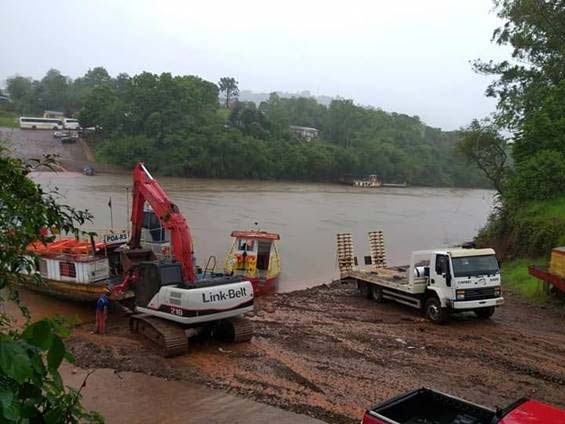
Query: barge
75	269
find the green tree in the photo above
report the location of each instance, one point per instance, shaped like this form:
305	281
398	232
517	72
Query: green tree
535	30
246	117
540	177
343	121
93	77
103	109
31	389
20	90
50	93
530	88
483	146
228	86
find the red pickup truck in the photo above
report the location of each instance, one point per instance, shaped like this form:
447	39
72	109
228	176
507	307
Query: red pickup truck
427	406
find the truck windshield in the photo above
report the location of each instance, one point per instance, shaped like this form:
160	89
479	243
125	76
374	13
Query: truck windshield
475	265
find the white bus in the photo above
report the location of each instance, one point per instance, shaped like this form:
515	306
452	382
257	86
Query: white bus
70	124
35	123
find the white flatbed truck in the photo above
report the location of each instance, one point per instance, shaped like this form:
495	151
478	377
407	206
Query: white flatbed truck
439	281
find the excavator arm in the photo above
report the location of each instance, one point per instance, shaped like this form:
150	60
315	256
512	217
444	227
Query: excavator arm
147	189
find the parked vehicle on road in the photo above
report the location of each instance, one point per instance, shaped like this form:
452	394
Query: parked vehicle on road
70	124
429	406
89	170
70	137
61	134
36	123
439	281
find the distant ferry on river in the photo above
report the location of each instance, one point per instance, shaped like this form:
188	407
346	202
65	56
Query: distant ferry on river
369	181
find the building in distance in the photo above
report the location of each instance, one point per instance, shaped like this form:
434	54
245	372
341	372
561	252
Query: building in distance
305	133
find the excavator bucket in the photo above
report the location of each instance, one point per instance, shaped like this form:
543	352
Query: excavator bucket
131	257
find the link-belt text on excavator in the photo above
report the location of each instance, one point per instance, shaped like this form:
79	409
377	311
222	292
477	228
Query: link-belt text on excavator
224	295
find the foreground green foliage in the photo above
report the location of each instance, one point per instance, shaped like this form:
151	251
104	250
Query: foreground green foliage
31	389
516	278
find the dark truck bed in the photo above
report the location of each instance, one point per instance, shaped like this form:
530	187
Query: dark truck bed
426	406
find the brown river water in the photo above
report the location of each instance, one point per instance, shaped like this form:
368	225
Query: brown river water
306	215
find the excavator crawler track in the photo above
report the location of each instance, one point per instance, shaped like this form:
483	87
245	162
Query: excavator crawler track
235	330
168	338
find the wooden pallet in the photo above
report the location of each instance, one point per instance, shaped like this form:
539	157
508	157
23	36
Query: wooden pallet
377	248
345	253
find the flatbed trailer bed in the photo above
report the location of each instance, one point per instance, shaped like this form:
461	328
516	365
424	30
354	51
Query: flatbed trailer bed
393	283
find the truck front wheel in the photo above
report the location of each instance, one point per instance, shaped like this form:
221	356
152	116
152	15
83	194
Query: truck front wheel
434	312
377	294
363	288
484	313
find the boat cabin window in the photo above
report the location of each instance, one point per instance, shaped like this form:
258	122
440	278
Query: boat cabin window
263	255
43	267
246	245
67	269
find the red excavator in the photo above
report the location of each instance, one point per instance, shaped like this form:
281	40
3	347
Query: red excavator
170	303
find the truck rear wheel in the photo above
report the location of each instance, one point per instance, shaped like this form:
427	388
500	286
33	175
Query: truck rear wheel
434	312
376	294
484	313
363	288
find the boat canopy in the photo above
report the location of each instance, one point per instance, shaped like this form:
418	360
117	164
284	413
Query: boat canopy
65	246
260	235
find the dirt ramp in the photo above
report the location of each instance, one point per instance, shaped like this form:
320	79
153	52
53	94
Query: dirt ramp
34	144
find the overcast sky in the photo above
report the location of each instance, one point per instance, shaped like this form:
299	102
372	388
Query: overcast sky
407	56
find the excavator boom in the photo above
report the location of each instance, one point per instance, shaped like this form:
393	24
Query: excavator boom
147	189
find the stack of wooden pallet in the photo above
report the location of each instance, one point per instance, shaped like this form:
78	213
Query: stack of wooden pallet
377	247
345	254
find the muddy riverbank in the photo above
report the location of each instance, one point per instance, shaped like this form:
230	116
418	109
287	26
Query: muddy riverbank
329	353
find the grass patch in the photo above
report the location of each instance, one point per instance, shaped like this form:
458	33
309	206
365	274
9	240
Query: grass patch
544	210
515	277
8	119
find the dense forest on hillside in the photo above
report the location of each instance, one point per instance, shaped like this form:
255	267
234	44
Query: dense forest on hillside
178	125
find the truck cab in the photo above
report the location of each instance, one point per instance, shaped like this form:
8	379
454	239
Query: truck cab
459	279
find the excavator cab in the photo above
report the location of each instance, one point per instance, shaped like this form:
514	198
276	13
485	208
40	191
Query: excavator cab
151	276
